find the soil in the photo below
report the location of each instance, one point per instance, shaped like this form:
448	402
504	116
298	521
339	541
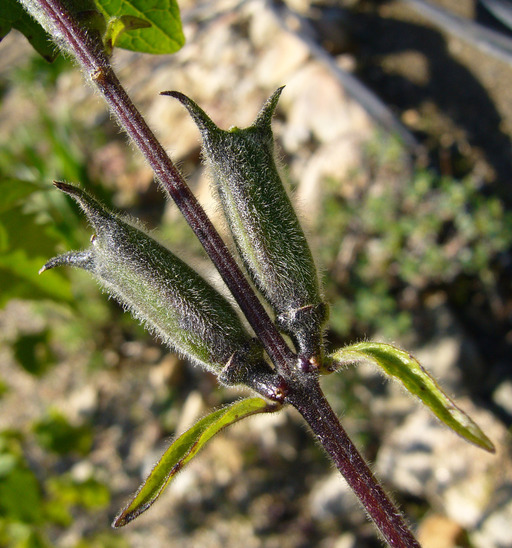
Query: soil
265	483
456	99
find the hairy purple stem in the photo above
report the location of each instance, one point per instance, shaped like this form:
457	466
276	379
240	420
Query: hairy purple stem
310	401
97	67
299	389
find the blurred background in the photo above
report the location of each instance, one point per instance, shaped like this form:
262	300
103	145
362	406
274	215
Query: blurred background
403	183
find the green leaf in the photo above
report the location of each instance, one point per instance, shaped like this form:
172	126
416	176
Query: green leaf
25	245
33	352
184	449
19	279
13	16
20	495
69	492
401	365
117	26
163	35
13	191
55	433
104	539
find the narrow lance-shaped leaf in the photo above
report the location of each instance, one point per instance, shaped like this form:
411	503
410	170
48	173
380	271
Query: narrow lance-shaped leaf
264	225
184	449
404	367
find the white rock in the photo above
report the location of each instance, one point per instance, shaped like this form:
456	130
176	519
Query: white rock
496	529
333	498
315	100
346	540
502	396
424	458
284	55
332	160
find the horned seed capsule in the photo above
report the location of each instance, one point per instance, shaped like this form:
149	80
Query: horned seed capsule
264	224
164	293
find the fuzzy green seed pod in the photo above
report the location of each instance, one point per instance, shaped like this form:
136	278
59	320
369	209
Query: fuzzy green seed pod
164	293
264	224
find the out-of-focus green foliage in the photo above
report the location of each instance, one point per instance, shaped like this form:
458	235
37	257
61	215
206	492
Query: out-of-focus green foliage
34	222
29	506
33	352
20	492
388	238
24	243
13	16
36	73
90	493
38	499
103	540
55	433
3	387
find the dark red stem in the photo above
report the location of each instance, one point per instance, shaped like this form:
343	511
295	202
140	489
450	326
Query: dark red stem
300	389
97	67
310	401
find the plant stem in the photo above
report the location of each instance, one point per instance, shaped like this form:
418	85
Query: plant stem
310	401
299	389
98	69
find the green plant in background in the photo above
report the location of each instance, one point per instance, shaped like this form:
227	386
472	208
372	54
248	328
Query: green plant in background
411	238
188	314
54	433
33	221
36	222
27	504
192	318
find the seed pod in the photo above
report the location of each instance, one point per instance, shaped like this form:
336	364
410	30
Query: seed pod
164	293
264	224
